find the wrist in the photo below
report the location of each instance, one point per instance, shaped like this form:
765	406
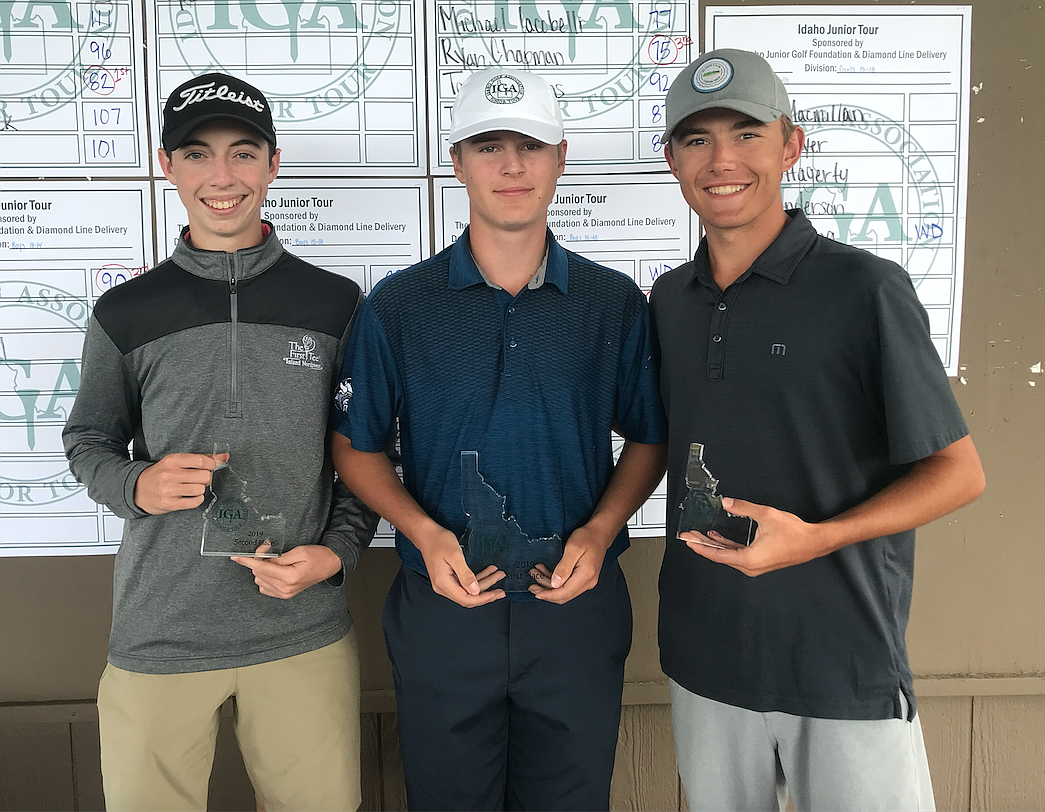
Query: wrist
597	534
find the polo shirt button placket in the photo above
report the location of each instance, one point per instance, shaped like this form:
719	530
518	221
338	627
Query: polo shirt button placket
513	344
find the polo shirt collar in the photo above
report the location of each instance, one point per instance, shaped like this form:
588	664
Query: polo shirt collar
464	272
777	262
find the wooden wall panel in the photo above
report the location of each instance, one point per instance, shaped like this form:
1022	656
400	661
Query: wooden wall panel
1008	753
370	761
392	781
87	768
641	564
645	775
36	767
230	788
947	727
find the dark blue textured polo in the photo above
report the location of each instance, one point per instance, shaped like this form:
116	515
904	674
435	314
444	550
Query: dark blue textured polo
534	383
812	383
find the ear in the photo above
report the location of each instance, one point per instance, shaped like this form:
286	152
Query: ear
456	158
793	148
164	161
670	158
274	165
562	158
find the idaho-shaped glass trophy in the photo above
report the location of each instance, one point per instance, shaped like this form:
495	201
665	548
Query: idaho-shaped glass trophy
232	524
491	538
702	509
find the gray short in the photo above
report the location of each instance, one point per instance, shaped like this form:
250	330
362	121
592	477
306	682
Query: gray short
731	758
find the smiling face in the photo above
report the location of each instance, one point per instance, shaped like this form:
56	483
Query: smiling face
222	173
729	167
510	179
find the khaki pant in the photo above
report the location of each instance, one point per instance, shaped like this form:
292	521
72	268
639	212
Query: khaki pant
297	722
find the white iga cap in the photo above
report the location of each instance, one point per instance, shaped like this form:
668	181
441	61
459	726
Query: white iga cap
505	99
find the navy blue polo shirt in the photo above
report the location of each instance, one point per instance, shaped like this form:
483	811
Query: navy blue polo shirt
534	383
812	383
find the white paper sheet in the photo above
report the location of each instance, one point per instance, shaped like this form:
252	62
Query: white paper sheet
882	93
610	63
344	79
76	241
72	93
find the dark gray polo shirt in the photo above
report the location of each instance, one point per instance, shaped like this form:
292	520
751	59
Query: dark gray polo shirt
812	383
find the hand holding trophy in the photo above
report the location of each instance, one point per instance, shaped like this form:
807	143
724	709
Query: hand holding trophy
232	525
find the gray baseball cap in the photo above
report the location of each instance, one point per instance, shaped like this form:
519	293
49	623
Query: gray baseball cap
729	78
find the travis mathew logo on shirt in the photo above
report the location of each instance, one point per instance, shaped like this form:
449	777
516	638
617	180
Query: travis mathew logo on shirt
302	355
206	92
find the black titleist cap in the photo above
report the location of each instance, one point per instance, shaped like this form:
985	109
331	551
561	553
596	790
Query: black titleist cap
211	97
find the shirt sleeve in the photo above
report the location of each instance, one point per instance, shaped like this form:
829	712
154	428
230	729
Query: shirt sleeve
639	413
921	414
103	421
352	523
369	396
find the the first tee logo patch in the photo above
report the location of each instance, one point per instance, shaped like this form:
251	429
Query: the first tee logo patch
302	354
343	394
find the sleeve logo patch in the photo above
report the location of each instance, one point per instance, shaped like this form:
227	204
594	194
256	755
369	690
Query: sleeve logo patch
343	394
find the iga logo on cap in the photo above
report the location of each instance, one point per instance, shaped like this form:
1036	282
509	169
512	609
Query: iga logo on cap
712	75
504	89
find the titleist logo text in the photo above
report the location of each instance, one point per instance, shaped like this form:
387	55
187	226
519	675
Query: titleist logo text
199	93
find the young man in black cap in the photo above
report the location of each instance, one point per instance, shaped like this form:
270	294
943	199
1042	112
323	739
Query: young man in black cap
195	351
805	369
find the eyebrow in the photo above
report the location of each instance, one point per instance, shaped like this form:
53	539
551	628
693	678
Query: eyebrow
243	142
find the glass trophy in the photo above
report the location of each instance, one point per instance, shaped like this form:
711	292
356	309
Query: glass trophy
702	510
490	538
232	524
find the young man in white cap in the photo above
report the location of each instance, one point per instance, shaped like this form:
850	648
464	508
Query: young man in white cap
507	361
806	370
196	351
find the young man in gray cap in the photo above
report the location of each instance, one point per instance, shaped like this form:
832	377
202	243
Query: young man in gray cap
195	351
507	361
805	369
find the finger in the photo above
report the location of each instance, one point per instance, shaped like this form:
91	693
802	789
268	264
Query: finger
465	577
450	589
739	507
692	537
720	555
483	598
564	569
251	563
488	577
188	462
186	490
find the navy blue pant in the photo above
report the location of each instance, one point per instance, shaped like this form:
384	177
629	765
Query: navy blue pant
512	705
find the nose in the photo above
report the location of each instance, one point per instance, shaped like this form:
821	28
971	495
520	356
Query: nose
513	163
723	155
222	171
